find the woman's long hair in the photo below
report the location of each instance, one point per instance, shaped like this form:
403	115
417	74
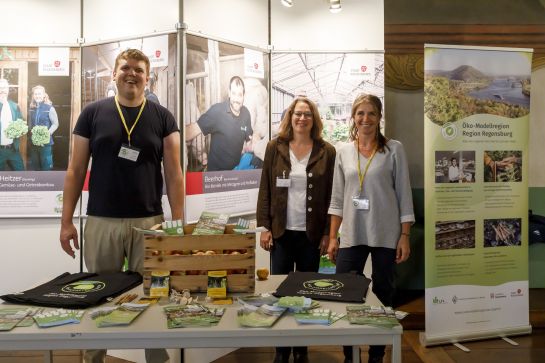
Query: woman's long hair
33	103
377	105
286	130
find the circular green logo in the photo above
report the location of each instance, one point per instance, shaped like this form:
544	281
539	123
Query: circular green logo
449	131
323	285
84	287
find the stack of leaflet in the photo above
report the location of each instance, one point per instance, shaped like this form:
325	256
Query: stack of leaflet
378	316
121	315
12	317
258	299
259	310
263	316
56	317
193	315
211	223
297	303
318	316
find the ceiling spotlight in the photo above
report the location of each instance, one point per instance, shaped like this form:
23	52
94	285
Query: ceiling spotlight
287	3
335	6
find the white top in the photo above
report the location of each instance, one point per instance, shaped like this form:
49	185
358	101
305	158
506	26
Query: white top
453	173
296	218
388	189
5	119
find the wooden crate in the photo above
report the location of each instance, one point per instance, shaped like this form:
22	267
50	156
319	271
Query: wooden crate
158	255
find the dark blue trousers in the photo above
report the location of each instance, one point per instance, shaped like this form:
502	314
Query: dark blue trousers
294	251
352	259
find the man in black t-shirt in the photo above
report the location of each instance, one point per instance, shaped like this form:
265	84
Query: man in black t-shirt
127	138
229	124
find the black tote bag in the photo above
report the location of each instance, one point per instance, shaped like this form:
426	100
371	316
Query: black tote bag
346	287
77	291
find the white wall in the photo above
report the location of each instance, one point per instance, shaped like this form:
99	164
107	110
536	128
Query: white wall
33	22
31	253
107	19
241	21
309	25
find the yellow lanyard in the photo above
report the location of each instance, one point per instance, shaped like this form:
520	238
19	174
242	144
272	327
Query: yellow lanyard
360	175
125	122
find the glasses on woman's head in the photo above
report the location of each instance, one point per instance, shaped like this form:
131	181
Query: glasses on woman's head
299	114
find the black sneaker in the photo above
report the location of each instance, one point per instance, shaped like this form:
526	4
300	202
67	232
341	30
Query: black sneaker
281	358
300	357
375	359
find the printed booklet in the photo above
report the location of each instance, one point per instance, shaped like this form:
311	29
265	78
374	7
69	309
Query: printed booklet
318	316
379	316
11	317
258	299
259	317
56	317
122	315
192	316
211	223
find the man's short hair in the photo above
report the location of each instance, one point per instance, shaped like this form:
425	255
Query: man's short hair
133	54
238	82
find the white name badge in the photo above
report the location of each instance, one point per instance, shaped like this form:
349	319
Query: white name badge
128	152
361	203
283	182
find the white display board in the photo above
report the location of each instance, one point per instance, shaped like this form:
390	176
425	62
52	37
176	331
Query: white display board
31	22
309	25
31	253
105	19
241	21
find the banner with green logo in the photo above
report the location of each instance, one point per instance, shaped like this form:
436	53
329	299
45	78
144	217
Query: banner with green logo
476	114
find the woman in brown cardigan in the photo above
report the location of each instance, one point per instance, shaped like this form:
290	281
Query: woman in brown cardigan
294	198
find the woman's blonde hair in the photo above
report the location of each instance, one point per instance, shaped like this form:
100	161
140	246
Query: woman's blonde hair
286	130
33	103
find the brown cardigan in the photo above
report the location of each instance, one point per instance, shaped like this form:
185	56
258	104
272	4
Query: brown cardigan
272	201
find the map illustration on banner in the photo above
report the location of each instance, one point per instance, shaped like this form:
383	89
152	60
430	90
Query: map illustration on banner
226	126
476	115
37	103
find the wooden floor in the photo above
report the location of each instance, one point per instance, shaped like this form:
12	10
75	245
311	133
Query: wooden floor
531	348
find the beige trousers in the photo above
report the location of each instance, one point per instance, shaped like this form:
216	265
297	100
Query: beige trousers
107	241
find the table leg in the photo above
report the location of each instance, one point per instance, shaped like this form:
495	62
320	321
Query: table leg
396	349
356	354
48	356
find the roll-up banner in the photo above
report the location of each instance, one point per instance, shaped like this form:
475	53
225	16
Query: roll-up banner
476	114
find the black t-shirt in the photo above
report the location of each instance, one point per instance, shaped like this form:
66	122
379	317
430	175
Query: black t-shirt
228	135
121	188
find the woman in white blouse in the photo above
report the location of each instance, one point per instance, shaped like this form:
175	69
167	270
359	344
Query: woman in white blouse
294	197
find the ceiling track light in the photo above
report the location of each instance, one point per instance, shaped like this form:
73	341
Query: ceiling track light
335	6
287	3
